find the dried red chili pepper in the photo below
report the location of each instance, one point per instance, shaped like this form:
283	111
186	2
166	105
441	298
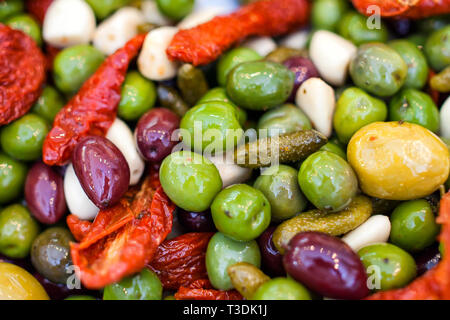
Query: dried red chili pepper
180	261
38	8
413	9
93	109
435	284
124	238
206	42
22	73
202	290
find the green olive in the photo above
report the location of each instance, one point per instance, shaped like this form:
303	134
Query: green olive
231	59
175	9
103	8
354	27
281	289
28	25
437	48
284	119
9	8
12	178
326	14
48	104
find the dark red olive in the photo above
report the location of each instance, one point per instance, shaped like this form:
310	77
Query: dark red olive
271	258
196	221
326	265
154	134
303	69
102	170
44	193
427	259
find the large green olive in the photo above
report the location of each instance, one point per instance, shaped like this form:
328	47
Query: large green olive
326	14
437	48
231	59
378	69
285	119
50	254
259	85
12	178
354	27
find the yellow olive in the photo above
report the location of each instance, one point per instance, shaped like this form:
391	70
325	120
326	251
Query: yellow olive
18	284
398	160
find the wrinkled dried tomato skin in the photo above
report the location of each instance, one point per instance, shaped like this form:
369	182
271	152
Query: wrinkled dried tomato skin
206	42
22	73
202	290
79	228
181	261
93	109
400	8
38	8
124	238
434	284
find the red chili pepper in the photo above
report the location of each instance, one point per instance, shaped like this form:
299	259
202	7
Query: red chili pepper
435	284
22	73
124	238
202	290
79	228
93	109
413	9
38	8
180	261
206	42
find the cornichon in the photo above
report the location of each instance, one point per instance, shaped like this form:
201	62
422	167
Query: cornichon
192	83
285	148
335	224
281	54
246	278
441	81
170	99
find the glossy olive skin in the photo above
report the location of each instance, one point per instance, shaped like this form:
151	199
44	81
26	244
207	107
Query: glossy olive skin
284	119
18	284
260	85
219	124
48	104
190	180
18	229
378	69
50	254
143	286
354	27
279	185
354	110
281	289
437	48
223	252
175	9
196	221
241	212
23	138
231	59
271	258
10	8
415	60
396	267
303	69
415	106
12	178
44	193
413	225
103	8
74	65
154	134
326	14
327	181
387	155
28	25
137	97
101	169
334	148
326	265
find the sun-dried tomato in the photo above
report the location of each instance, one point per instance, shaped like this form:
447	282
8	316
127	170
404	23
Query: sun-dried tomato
38	8
22	73
414	9
124	238
435	284
180	261
206	42
93	109
79	228
202	290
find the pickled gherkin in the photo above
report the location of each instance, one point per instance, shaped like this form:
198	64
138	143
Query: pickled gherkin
285	148
246	278
171	99
335	224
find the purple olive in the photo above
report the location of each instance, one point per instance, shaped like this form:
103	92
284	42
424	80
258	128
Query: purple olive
427	259
154	134
326	265
102	170
44	193
303	69
271	258
401	27
196	221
